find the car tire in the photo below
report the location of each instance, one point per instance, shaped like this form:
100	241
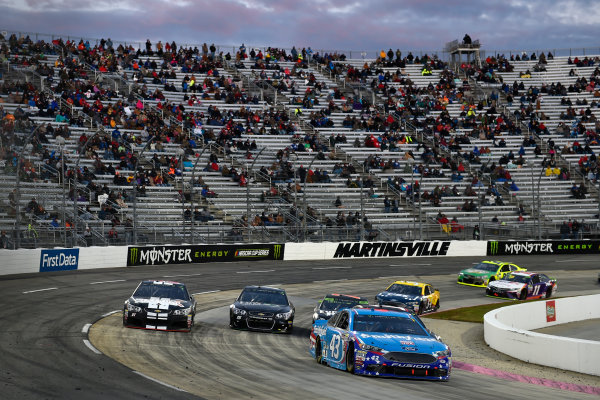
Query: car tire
318	352
350	362
523	294
437	305
421	308
549	291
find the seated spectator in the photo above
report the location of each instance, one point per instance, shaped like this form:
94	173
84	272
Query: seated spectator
456	227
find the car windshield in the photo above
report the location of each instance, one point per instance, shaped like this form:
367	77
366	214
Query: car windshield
335	303
388	324
264	296
517	278
171	291
405	289
486	267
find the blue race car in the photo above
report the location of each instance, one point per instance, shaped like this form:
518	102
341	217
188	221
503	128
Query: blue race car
382	342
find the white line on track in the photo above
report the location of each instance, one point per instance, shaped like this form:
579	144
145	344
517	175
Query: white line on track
116	280
252	272
387	277
207	292
331	267
570	261
86	328
173	276
331	280
110	313
159	382
91	347
404	265
40	290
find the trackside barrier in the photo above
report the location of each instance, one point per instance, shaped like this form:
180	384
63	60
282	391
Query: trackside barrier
347	250
508	330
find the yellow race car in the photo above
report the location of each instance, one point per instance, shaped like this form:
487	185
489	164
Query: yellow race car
416	296
485	272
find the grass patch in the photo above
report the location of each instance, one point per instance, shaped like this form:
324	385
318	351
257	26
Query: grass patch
470	314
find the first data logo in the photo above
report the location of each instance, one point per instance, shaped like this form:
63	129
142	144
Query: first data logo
59	260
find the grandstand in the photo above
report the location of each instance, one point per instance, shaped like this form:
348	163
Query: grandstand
105	143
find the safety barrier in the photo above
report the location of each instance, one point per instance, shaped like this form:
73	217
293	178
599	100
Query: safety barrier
508	330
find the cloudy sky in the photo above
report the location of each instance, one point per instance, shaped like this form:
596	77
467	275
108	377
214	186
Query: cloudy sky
322	24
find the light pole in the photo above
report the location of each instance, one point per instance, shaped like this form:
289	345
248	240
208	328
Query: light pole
248	189
64	205
137	161
411	162
304	195
481	230
192	188
18	188
539	207
362	211
81	151
531	166
296	194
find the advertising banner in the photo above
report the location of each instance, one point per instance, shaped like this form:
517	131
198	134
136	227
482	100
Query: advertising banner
550	311
503	248
59	260
158	255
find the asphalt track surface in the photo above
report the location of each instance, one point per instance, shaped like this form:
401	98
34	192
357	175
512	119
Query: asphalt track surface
588	330
45	322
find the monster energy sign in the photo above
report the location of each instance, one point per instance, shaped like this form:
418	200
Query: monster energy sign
502	248
157	255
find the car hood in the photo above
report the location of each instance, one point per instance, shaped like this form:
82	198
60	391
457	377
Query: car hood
476	272
274	308
405	298
506	285
160	303
403	343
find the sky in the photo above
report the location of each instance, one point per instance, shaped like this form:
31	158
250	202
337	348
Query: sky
344	25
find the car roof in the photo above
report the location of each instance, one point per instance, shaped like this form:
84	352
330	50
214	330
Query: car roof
274	289
165	283
495	262
381	311
410	283
525	273
344	296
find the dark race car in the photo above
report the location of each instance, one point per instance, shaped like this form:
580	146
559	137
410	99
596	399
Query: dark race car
522	285
160	305
262	308
333	302
416	296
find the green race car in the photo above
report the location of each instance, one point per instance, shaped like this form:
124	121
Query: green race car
486	271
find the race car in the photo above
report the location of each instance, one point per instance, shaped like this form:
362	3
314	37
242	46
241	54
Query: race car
420	297
262	308
382	342
522	285
160	305
485	272
333	302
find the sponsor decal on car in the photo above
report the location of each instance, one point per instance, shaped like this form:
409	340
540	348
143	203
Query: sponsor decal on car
59	260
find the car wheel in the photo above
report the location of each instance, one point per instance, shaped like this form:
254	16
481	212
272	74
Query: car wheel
350	367
232	323
421	308
523	294
549	291
318	352
437	305
492	279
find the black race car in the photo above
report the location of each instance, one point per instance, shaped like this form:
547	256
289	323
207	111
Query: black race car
331	303
262	308
160	305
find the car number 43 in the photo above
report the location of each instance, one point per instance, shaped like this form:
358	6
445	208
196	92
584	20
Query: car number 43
334	346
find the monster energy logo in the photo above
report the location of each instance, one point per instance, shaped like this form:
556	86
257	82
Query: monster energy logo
494	248
276	251
133	255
